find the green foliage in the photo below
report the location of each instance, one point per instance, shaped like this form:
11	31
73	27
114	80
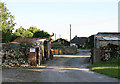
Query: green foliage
32	32
52	40
5	67
33	29
27	34
18	33
7	26
41	34
15	35
21	30
6	23
36	81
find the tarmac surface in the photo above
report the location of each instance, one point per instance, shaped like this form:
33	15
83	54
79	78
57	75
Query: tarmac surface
63	68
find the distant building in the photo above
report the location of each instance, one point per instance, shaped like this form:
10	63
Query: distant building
79	41
62	46
62	41
91	41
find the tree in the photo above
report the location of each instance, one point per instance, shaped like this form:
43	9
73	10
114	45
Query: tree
33	29
6	23
27	34
21	30
41	34
16	35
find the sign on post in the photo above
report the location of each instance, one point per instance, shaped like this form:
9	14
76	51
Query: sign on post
32	49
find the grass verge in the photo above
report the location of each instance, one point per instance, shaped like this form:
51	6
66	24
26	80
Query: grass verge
36	81
110	68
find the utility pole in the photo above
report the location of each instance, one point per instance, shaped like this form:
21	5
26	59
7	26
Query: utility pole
55	36
70	32
59	36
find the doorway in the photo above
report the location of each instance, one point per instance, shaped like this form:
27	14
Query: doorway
46	50
37	56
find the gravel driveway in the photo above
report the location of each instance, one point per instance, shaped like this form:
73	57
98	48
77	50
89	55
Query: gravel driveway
63	68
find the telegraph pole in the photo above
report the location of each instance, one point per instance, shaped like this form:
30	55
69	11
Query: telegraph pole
70	32
59	36
55	36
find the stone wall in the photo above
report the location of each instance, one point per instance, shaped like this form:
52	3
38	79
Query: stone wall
71	50
67	50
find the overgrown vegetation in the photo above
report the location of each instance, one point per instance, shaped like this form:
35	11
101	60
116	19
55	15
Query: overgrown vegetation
7	26
36	81
110	67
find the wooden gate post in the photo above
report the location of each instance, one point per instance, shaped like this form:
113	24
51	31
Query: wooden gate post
96	55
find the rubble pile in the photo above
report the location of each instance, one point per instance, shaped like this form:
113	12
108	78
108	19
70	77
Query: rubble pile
110	51
14	56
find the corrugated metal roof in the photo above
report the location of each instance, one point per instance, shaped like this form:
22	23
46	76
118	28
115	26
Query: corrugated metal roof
40	41
108	38
22	40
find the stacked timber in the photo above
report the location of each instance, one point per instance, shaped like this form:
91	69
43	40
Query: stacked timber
13	56
110	51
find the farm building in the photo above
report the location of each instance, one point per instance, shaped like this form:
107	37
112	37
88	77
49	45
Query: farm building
62	46
39	49
62	42
104	44
36	50
79	41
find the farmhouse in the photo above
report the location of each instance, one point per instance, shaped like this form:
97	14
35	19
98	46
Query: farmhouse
61	41
79	41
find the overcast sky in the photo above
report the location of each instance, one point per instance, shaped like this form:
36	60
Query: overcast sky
87	17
